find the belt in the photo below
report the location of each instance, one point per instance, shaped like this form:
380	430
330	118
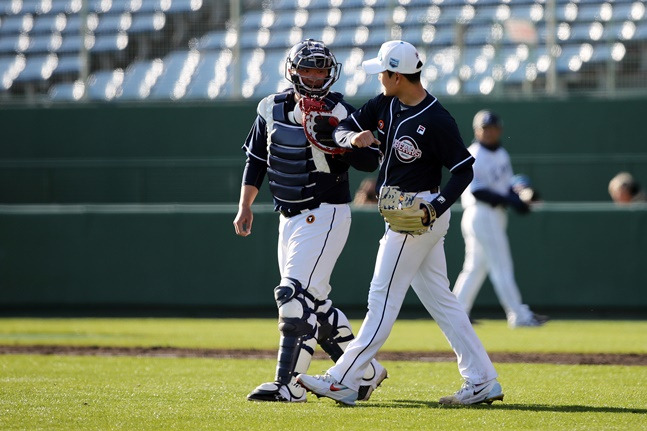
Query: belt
435	189
295	212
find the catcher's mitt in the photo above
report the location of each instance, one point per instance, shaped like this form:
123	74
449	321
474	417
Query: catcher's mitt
403	211
319	123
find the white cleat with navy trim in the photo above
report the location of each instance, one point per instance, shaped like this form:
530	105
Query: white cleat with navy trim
470	393
327	386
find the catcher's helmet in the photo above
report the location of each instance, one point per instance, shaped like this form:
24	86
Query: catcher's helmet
311	54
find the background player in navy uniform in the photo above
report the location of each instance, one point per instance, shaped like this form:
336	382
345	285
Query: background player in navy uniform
484	223
417	137
311	192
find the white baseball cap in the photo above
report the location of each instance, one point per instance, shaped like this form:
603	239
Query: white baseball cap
396	56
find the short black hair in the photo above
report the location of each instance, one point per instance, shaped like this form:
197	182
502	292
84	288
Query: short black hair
414	78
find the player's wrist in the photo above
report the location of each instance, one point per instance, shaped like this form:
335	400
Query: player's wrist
430	213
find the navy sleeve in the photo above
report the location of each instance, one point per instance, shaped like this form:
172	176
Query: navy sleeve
256	149
489	197
362	119
451	151
457	183
363	159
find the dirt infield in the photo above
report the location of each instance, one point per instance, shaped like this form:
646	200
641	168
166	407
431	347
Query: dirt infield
420	356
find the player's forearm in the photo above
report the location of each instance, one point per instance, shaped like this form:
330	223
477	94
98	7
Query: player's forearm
248	194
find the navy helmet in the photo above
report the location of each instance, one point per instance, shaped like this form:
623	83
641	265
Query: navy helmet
312	54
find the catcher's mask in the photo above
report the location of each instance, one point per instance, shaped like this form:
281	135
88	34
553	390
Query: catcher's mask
311	54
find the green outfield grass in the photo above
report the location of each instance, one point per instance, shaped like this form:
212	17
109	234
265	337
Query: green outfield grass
49	392
580	336
126	393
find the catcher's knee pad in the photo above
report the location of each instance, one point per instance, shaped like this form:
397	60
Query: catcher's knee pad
334	332
295	308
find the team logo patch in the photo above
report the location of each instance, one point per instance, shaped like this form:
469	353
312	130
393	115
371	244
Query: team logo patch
380	124
421	130
406	149
310	219
441	199
393	62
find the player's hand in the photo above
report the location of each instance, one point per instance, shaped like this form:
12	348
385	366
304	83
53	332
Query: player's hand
364	139
243	221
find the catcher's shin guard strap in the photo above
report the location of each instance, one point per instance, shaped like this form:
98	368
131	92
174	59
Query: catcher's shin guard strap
331	336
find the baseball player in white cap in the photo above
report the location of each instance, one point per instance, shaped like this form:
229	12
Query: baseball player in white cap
418	137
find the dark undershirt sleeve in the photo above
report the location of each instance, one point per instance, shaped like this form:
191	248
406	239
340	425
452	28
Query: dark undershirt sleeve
458	182
489	197
254	172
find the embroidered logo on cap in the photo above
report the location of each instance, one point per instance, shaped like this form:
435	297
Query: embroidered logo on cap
393	62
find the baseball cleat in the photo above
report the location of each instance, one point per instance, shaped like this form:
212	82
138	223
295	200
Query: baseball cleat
278	392
327	386
365	391
470	393
534	321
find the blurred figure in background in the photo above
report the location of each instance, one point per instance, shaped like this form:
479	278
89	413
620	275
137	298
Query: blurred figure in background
365	194
624	189
484	224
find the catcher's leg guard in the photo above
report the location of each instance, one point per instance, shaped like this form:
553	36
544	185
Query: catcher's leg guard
334	332
296	321
297	325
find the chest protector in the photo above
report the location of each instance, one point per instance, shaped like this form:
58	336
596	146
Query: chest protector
291	171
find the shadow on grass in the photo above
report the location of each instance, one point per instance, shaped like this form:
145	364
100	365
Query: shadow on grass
499	406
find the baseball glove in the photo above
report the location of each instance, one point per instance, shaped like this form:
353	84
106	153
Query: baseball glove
319	123
522	186
404	211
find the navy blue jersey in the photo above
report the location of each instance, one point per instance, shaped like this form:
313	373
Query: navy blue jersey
416	143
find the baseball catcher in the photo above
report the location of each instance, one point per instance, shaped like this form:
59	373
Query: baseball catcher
291	144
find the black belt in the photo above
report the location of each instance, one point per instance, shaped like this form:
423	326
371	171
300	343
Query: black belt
295	212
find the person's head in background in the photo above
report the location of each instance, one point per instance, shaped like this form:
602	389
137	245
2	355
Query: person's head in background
623	189
487	128
366	194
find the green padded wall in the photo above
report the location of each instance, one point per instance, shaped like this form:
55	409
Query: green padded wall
187	256
191	153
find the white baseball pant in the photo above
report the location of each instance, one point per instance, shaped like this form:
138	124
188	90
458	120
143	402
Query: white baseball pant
487	250
417	261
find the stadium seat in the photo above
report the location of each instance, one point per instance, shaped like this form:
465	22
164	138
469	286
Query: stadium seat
68	64
38	68
70	43
176	75
49	24
12	25
66	92
66	6
113	23
147	22
212	76
253	19
44	43
104	85
139	77
214	40
109	43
